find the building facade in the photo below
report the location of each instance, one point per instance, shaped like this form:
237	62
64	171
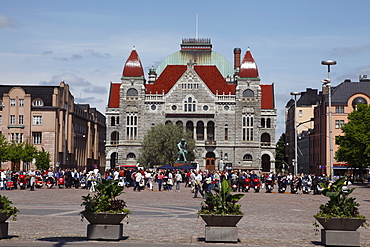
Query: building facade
344	99
312	120
232	116
46	116
303	118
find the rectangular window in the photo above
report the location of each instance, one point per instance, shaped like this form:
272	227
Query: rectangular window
247	126
37	137
12	102
21	102
37	120
131	127
339	109
1	119
300	113
226	134
339	124
20	119
12	119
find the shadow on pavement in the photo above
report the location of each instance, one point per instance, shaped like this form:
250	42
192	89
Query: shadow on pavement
61	241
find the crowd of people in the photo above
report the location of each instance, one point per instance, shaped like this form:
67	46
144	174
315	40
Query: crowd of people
197	181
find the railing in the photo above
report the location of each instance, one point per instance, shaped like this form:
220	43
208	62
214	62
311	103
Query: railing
210	143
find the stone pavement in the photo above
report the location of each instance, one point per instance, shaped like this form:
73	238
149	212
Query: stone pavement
49	217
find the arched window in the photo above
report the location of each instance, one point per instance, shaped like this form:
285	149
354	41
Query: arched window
179	123
189	104
200	130
247	157
168	122
268	124
132	92
190	127
210	131
114	138
113	121
248	93
263	123
37	102
265	139
131	156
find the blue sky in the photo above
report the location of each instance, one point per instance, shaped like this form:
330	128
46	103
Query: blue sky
87	42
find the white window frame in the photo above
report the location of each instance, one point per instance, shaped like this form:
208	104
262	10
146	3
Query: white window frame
12	102
37	120
12	119
21	102
37	138
20	119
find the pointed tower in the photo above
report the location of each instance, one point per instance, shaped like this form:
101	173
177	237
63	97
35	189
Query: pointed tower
133	67
248	68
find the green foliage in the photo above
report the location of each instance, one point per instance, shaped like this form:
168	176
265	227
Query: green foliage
280	158
15	151
6	206
3	148
222	201
42	159
105	198
160	145
354	145
29	152
340	204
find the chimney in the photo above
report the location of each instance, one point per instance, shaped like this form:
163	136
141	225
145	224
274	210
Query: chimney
237	52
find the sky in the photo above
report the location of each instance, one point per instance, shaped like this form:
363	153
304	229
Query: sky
86	43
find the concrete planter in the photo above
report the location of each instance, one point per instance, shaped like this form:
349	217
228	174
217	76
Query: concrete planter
104	226
3	217
4	226
341	224
340	231
104	218
221	228
221	220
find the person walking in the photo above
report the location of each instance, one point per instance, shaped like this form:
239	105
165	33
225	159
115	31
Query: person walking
160	180
198	185
178	179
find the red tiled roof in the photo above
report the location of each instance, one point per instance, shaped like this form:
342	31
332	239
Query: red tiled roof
267	100
113	101
170	75
133	67
208	73
214	79
248	68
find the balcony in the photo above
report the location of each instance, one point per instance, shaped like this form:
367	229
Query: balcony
210	143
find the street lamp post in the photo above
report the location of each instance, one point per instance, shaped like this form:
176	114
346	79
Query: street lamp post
327	82
295	133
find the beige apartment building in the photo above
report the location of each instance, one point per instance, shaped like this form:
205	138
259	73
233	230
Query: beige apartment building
46	116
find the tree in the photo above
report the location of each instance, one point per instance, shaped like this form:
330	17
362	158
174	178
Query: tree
280	158
354	145
42	159
3	149
159	146
15	154
29	152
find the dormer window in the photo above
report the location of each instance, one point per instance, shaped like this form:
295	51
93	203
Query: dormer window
37	102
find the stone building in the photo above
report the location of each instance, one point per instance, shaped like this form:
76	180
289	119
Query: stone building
46	116
232	116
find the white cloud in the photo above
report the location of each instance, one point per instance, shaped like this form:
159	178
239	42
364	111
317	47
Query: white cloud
8	22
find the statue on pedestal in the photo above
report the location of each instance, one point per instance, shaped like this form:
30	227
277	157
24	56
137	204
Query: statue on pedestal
183	150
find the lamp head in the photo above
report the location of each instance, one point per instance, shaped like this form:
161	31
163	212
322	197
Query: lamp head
328	62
